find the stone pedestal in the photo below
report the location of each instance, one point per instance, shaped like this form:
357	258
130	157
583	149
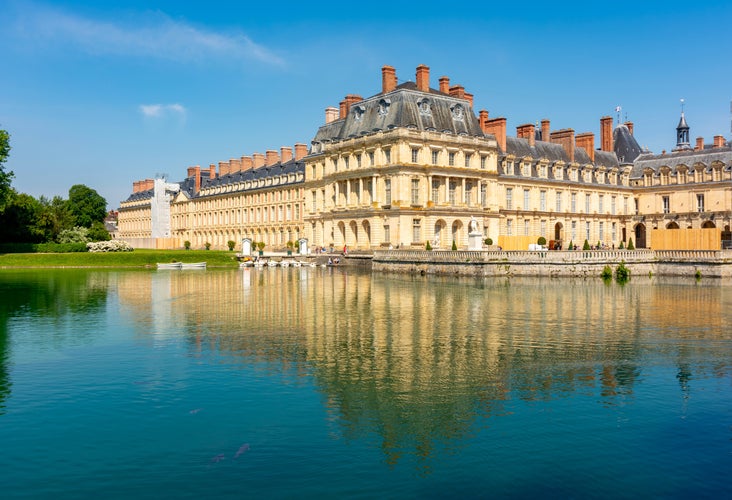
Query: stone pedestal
475	241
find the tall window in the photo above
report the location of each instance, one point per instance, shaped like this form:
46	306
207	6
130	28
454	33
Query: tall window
483	195
527	224
482	161
574	202
371	158
509	227
614	231
387	191
387	236
435	190
416	231
467	160
434	157
587	230
415	191
346	160
625	205
542	201
700	203
543	227
666	205
601	230
509	198
315	202
451	159
587	203
358	161
574	230
613	204
415	155
559	201
468	197
526	199
453	187
600	204
387	155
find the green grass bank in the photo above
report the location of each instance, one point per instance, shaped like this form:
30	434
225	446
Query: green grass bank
138	258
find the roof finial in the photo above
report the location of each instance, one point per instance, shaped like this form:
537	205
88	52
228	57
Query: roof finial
617	110
682	105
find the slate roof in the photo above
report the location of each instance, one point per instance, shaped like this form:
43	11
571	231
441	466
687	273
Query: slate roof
141	195
673	160
555	152
404	107
625	146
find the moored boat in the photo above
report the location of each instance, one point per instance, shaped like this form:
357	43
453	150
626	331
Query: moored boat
193	265
169	265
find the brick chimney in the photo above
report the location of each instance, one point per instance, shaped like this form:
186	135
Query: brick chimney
331	114
224	168
586	141
527	131
545	130
272	157
342	109
191	171
135	186
718	141
469	97
235	165
258	159
497	127
606	133
630	127
445	84
149	184
301	151
212	171
699	144
285	154
247	163
483	119
423	78
457	91
196	178
388	79
565	137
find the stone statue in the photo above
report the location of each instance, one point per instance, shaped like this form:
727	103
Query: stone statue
473	225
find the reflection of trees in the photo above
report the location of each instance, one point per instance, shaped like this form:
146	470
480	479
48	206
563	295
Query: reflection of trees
417	361
48	294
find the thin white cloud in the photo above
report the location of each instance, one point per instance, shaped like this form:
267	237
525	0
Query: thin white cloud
152	34
161	110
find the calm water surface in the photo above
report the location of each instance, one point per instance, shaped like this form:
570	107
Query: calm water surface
304	383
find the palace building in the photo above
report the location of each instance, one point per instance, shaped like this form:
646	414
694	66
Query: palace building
413	165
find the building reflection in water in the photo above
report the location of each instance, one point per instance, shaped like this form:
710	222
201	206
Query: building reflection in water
417	360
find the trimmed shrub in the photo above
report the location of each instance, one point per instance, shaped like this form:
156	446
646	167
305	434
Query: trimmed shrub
187	245
586	245
541	241
630	244
622	246
428	247
231	244
109	246
488	241
207	245
454	246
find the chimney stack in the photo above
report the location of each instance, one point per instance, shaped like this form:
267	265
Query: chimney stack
527	131
699	144
149	184
718	141
483	119
196	178
457	91
423	78
545	130
235	165
586	141
301	151
342	109
258	159
606	133
246	163
135	186
272	157
331	114
565	137
388	79
630	127
224	168
285	154
191	171
444	85
212	171
469	97
497	127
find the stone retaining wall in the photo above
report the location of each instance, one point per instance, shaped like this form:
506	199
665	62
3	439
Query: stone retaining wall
579	263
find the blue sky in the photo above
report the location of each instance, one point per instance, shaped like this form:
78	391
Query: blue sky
104	94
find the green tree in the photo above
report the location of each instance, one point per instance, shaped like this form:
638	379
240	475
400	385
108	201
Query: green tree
97	232
86	205
5	177
53	218
18	220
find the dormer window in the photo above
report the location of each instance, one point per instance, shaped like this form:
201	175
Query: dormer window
458	112
384	107
424	107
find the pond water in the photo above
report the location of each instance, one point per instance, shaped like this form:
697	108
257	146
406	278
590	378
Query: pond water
328	382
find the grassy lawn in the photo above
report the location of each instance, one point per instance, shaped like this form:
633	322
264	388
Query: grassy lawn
137	258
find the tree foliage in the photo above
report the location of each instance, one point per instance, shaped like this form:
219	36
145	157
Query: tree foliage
19	220
5	177
86	205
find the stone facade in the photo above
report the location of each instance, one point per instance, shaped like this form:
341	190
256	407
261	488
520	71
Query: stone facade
412	165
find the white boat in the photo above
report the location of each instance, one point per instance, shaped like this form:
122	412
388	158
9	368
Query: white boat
170	265
247	263
193	265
